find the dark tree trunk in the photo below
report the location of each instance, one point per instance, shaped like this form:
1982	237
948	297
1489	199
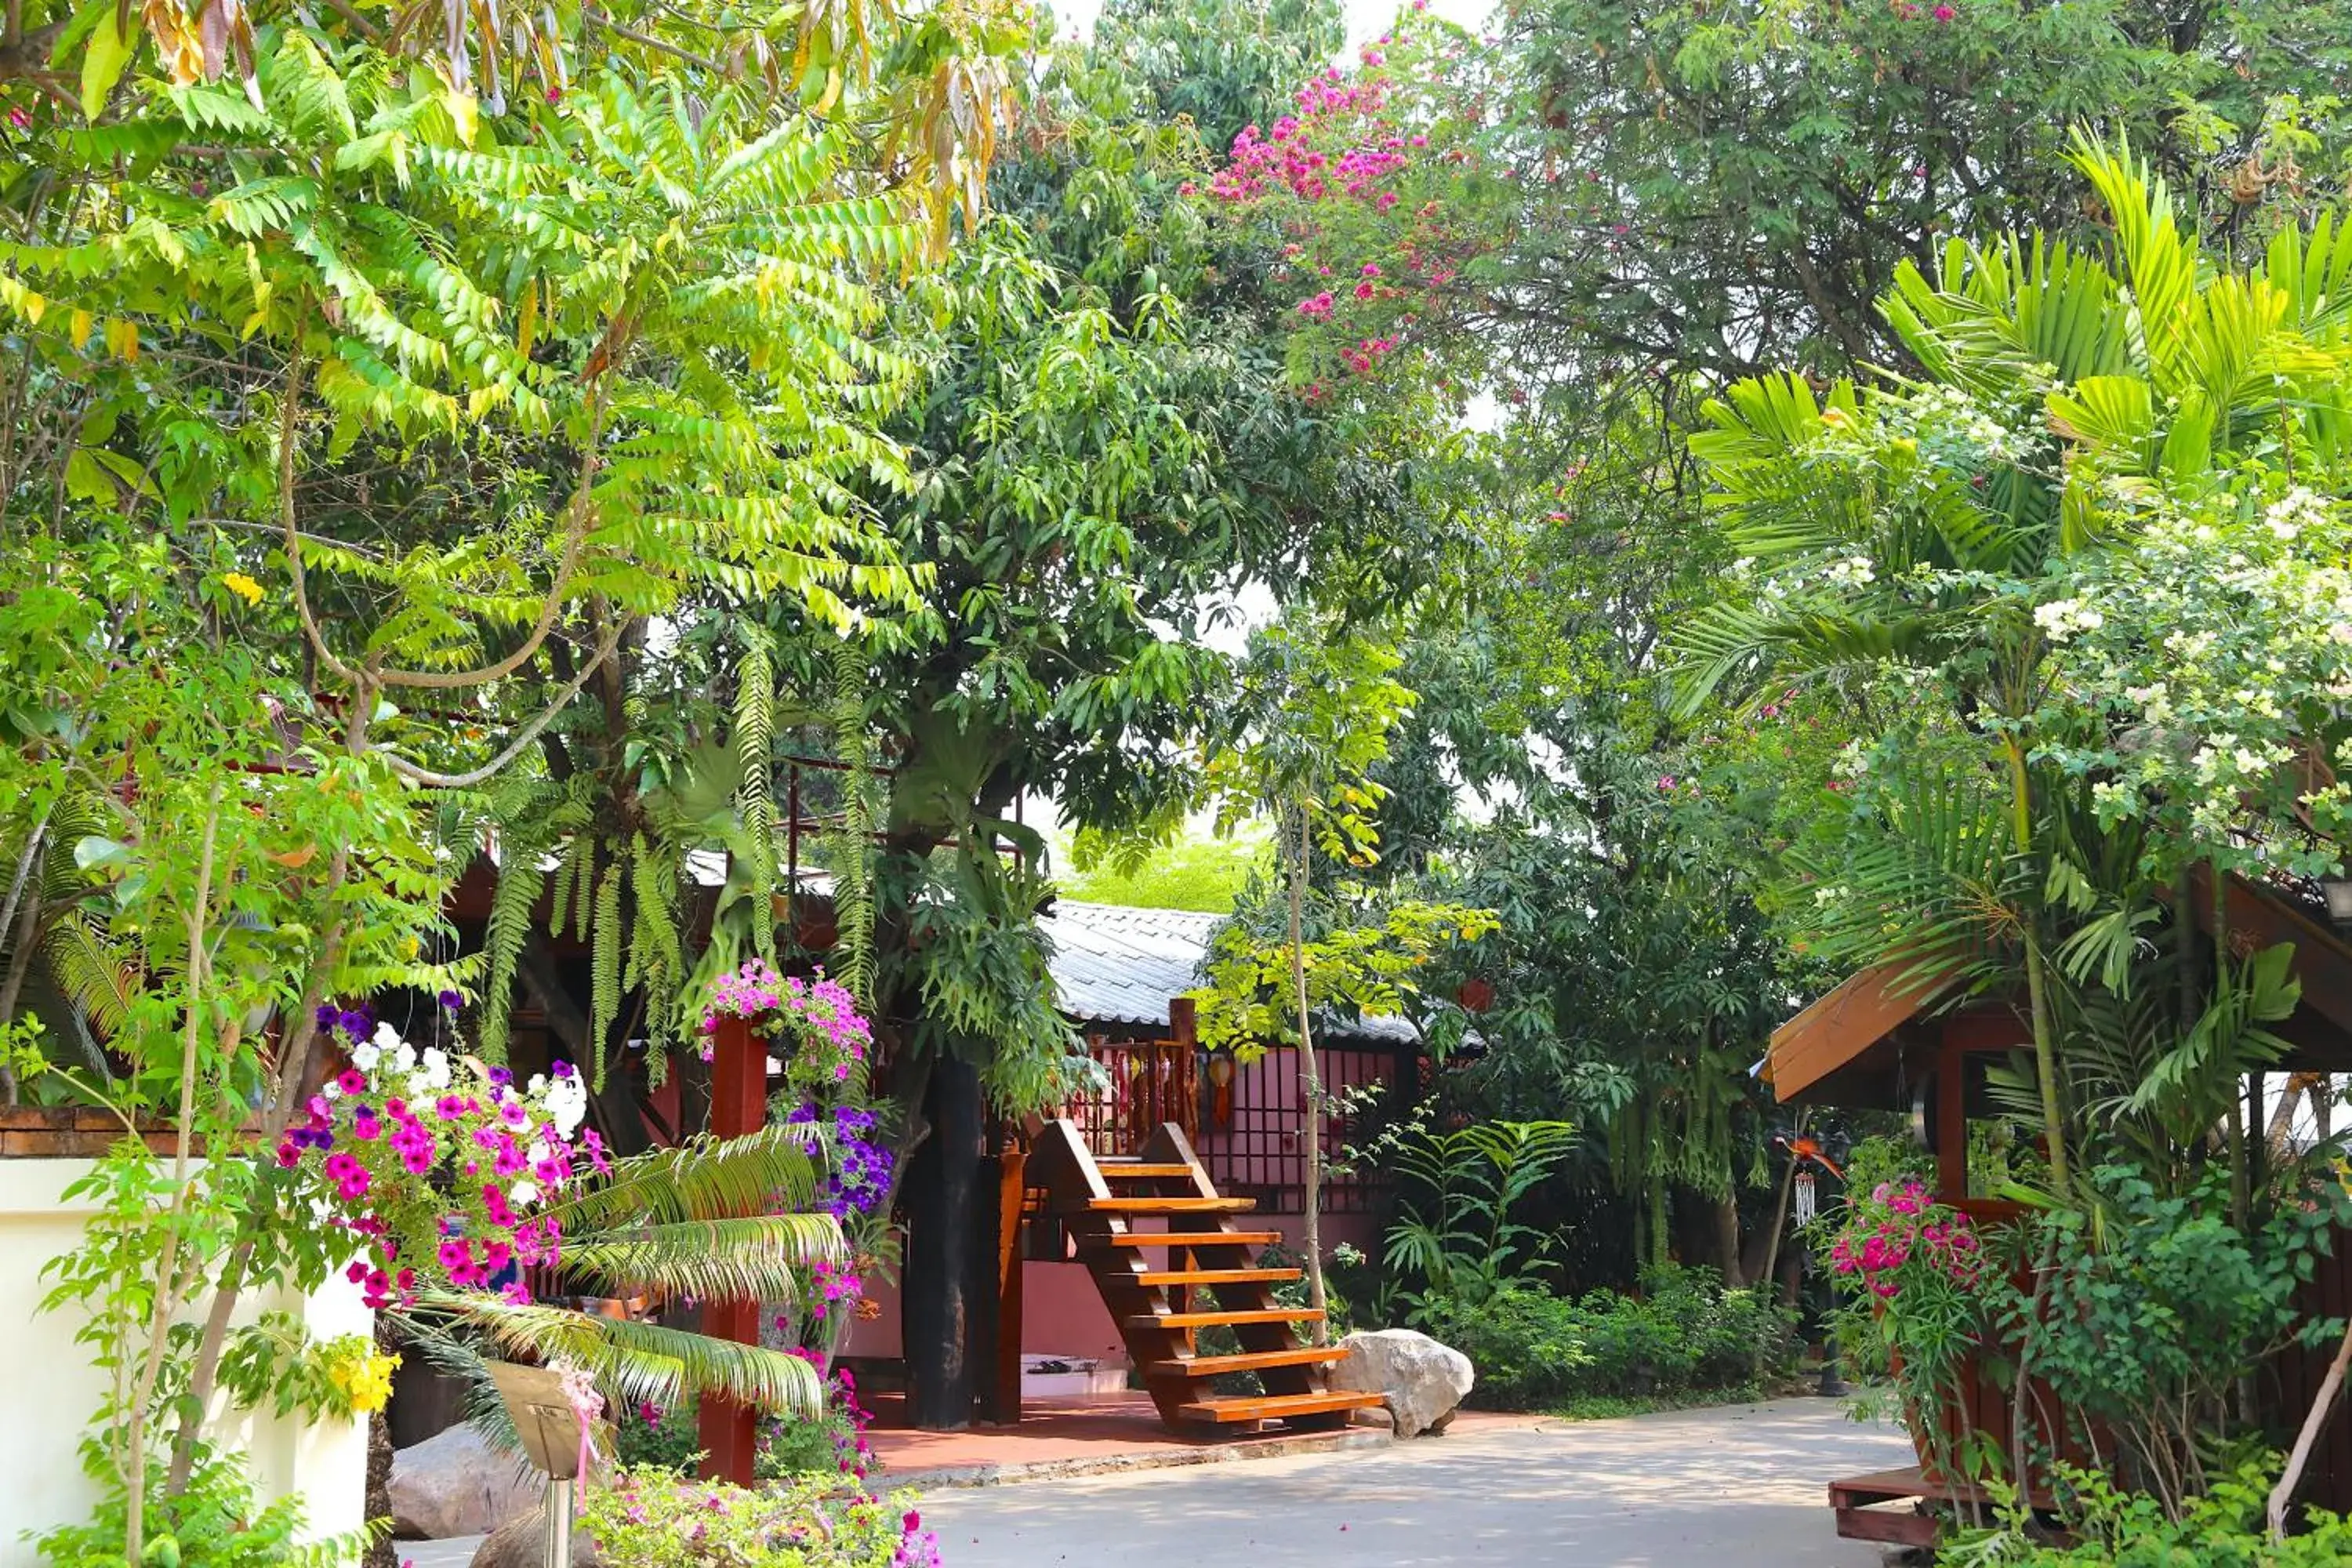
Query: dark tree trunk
1726	1217
944	1251
383	1552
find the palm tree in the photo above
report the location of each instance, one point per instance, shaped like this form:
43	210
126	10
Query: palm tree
1922	524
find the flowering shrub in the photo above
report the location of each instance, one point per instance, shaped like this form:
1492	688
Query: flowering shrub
826	1045
1896	1233
827	1039
649	1518
439	1162
1357	187
834	1443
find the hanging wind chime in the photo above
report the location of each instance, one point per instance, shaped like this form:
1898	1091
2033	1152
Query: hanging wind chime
1806	1196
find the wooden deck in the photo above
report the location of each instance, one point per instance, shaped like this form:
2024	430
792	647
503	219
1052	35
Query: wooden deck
1886	1506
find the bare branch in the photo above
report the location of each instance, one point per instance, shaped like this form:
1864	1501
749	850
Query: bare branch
523	737
577	534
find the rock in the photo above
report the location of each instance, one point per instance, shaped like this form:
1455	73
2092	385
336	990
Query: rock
521	1542
1379	1417
457	1484
1424	1381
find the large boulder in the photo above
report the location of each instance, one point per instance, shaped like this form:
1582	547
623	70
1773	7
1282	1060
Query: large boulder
457	1484
521	1542
1422	1380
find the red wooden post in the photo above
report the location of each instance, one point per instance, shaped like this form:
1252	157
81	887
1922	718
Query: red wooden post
739	1105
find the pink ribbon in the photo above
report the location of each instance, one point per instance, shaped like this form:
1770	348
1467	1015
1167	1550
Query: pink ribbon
587	1405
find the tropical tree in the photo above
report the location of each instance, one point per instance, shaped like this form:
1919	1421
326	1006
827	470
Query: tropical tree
2072	401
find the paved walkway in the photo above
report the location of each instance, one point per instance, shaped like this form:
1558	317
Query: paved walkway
1737	1486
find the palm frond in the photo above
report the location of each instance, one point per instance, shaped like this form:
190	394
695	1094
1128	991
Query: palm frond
636	1363
758	1258
704	1178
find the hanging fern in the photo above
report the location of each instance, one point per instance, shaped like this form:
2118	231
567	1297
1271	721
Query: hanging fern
604	968
849	851
755	718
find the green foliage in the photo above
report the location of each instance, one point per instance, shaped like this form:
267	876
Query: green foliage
650	1518
789	1444
1456	1228
214	1522
2115	1529
1683	1333
1203	874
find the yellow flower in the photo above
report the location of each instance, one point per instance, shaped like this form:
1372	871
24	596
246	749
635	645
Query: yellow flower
243	587
364	1380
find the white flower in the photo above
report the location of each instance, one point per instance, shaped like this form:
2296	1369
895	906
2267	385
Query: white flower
538	1085
332	1089
2299	509
2155	701
1855	571
387	1038
523	1193
365	1054
405	1058
436	1067
2062	618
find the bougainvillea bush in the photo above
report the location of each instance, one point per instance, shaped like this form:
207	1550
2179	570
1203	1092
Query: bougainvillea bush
1363	190
652	1518
439	1163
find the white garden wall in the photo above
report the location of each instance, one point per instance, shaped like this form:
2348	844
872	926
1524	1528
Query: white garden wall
48	1389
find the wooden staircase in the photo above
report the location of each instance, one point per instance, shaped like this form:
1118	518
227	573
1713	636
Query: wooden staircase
1123	1214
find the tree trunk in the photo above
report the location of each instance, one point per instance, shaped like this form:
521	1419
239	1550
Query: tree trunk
385	1553
1310	1083
1726	1217
943	1252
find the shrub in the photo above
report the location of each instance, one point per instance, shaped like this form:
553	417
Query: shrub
2224	1528
651	1438
1684	1333
651	1518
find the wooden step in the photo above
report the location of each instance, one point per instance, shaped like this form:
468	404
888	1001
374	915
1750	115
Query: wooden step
1206	1319
1170	1206
1275	1407
1251	1361
1195	1239
1136	1170
1218	1277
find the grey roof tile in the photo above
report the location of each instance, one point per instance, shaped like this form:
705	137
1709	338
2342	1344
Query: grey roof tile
1115	963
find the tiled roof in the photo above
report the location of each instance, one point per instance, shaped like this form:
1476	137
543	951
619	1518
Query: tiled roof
1114	963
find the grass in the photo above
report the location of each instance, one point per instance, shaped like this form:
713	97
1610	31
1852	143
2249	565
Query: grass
1611	1406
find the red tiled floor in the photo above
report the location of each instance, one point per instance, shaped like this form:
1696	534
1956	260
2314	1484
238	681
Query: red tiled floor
1105	1427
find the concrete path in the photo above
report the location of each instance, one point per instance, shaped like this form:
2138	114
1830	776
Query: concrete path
1737	1487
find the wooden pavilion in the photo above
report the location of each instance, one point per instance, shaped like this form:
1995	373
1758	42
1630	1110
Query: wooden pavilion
1886	1040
